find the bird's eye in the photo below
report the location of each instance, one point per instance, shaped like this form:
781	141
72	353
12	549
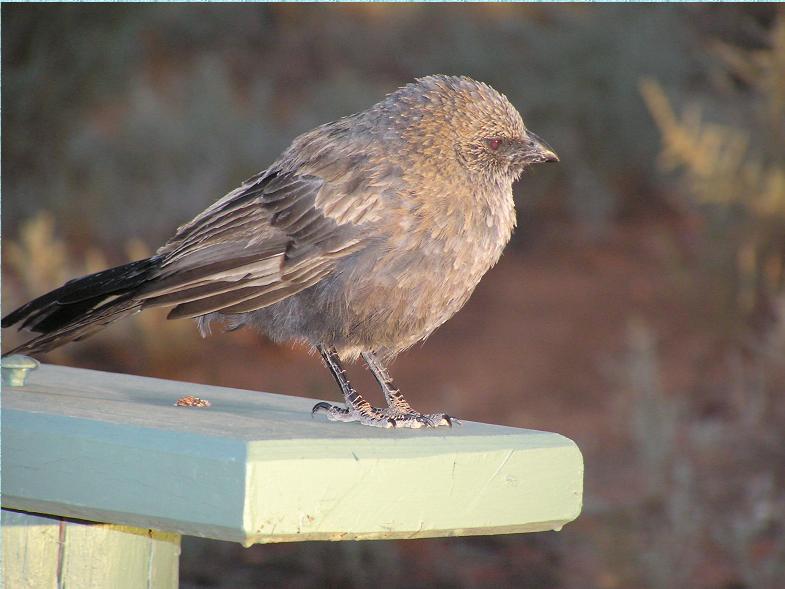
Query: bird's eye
494	143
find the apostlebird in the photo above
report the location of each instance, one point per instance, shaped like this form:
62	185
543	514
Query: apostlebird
363	237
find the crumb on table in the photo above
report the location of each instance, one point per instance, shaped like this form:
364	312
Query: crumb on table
191	401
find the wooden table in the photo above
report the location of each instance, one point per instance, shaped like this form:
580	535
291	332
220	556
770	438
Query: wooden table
81	447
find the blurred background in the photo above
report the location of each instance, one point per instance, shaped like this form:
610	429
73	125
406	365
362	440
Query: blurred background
640	309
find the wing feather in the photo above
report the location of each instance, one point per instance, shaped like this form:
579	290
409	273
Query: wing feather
263	242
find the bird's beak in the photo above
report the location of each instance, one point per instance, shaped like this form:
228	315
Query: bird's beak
535	151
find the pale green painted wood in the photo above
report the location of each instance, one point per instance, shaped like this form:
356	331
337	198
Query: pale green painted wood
42	552
164	559
30	547
100	556
255	467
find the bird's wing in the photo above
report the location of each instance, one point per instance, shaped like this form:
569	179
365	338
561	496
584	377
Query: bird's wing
274	236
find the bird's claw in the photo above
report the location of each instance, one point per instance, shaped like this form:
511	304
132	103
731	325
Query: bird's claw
369	416
385	418
320	406
418	420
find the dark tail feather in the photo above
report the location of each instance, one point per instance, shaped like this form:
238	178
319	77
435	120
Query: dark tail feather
81	306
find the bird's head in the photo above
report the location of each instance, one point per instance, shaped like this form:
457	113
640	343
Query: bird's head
457	120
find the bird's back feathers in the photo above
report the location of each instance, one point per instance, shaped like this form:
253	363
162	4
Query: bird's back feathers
261	243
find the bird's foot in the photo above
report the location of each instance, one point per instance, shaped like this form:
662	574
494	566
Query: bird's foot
365	414
387	418
415	419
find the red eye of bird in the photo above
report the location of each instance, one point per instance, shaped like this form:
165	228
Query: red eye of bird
494	144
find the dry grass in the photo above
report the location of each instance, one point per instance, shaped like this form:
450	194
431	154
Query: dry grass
733	174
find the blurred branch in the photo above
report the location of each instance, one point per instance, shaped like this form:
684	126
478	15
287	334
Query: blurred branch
737	191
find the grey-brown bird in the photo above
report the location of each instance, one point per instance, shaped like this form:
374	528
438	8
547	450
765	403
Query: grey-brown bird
361	239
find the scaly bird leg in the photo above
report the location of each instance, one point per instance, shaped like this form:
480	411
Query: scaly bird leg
398	412
357	408
398	408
